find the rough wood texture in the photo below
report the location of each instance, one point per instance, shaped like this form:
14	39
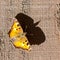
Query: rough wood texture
42	10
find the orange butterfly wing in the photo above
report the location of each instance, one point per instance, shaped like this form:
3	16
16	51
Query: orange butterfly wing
21	40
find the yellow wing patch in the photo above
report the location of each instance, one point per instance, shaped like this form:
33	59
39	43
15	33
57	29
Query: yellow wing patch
21	40
16	29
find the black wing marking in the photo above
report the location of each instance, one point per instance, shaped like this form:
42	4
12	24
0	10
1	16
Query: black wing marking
34	34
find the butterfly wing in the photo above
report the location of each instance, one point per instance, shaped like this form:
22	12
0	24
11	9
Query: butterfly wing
34	34
22	42
15	30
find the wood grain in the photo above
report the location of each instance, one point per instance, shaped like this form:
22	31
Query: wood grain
42	10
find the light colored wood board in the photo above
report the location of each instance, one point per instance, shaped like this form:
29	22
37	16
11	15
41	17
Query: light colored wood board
43	10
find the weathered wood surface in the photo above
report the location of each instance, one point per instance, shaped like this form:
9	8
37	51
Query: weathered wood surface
43	10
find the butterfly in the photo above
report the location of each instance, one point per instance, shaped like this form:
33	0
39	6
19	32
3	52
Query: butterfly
20	39
25	32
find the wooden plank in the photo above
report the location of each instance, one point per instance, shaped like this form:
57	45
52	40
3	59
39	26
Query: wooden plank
38	10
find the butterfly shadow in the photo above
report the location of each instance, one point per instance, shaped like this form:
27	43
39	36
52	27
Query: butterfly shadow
34	34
